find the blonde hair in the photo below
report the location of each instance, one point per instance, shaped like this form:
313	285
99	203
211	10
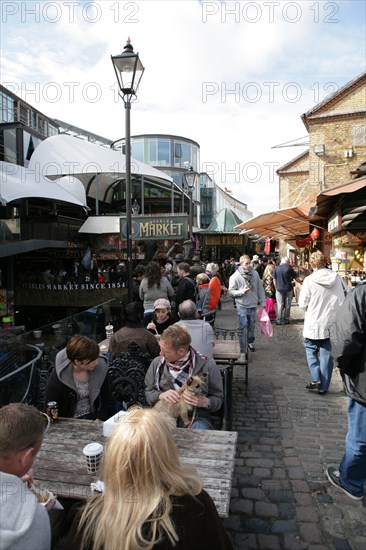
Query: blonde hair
202	278
317	260
268	271
141	471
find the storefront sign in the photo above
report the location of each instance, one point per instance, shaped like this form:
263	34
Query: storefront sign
223	239
72	287
160	227
335	222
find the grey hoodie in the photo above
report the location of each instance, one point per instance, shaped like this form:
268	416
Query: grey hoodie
24	524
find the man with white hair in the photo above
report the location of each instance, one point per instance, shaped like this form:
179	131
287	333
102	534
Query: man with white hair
283	276
202	334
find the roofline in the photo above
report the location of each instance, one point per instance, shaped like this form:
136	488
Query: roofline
169	136
330	99
303	154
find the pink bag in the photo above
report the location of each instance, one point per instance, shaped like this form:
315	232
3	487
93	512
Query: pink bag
271	308
265	323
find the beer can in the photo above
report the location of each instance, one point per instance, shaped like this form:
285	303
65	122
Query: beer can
52	410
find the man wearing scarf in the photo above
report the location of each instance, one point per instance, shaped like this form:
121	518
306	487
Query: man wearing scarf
177	361
246	287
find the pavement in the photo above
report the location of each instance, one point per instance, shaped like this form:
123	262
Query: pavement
287	435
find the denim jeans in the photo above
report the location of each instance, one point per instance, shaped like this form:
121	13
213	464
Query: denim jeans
284	300
246	317
320	361
197	424
353	465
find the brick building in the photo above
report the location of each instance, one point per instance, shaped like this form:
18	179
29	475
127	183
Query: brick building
337	145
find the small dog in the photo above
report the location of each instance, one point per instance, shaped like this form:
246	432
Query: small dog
196	385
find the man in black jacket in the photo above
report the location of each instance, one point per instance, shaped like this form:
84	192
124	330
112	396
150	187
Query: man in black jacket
350	353
186	289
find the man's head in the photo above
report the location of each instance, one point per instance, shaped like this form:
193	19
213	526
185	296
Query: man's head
317	260
202	279
134	312
188	310
245	262
82	349
285	260
212	268
183	269
174	343
21	433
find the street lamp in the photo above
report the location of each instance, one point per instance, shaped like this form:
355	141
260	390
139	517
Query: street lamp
129	71
191	178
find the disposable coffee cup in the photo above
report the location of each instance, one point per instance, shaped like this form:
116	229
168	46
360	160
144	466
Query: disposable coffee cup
93	453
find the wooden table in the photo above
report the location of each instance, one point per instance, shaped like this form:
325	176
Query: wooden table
60	465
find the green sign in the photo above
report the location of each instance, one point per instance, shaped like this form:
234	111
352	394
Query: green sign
167	226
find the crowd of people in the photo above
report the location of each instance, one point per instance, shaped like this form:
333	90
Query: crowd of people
172	318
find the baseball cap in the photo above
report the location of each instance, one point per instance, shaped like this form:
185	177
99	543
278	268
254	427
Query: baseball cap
162	303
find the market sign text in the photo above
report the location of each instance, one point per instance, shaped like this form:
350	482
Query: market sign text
161	227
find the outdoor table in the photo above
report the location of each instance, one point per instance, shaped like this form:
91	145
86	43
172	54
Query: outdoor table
61	468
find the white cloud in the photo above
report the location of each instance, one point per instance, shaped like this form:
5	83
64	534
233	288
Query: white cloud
195	53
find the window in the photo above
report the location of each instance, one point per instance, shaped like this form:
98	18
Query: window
137	150
163	153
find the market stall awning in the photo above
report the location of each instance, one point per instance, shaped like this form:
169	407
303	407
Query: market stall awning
285	224
98	225
327	200
99	168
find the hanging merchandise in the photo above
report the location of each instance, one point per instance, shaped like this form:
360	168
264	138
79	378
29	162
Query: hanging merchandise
312	237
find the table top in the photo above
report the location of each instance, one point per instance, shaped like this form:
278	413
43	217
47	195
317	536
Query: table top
226	350
60	465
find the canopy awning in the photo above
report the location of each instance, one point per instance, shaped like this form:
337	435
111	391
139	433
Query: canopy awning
98	225
326	200
17	182
99	168
286	224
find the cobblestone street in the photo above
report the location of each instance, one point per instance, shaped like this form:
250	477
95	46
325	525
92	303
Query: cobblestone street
281	498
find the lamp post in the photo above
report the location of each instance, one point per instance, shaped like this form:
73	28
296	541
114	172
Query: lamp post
191	178
129	70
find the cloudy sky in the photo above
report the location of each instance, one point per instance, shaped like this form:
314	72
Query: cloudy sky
233	76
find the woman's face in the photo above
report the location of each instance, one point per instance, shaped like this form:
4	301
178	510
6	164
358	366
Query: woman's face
161	313
86	365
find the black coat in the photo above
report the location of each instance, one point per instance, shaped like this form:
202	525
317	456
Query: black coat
66	398
186	291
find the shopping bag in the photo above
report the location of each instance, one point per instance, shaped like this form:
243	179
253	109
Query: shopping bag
265	323
271	308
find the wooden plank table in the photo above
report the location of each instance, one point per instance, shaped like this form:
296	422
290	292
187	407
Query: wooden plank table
60	464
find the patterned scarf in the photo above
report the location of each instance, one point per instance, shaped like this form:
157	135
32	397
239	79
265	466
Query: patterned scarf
179	370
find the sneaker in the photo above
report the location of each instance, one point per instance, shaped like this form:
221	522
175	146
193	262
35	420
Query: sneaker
278	322
313	386
251	347
334	477
287	322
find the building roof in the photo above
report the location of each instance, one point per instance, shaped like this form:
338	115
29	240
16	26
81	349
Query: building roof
224	222
17	182
100	169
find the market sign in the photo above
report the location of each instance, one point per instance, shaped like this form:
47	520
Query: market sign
168	226
223	239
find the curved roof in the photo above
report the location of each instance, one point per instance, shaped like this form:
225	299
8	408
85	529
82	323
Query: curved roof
17	182
99	168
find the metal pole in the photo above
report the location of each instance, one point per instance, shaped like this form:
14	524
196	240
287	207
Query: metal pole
190	213
128	198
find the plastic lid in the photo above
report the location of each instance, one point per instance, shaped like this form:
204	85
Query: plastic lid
93	449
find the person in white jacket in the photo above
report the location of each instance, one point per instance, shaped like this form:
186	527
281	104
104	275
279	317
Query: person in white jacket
322	294
24	523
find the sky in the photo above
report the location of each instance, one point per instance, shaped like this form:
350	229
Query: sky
233	76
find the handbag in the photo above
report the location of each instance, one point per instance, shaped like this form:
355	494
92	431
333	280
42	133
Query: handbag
271	308
265	323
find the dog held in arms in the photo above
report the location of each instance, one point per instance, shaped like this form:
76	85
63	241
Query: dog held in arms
196	385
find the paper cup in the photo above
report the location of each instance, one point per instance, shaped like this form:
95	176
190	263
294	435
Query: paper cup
93	453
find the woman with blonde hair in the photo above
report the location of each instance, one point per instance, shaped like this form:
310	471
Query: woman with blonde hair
150	501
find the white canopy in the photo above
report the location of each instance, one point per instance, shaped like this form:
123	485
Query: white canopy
99	168
17	182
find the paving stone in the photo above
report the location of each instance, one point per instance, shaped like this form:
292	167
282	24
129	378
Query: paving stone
266	509
311	533
284	526
269	542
